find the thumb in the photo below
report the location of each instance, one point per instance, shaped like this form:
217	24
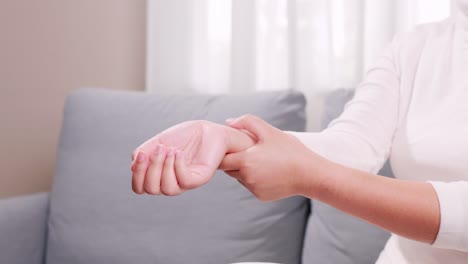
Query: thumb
252	124
232	162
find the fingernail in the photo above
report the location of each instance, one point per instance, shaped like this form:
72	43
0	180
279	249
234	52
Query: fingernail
141	156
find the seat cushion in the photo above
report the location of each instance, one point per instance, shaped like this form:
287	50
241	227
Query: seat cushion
96	218
333	236
23	222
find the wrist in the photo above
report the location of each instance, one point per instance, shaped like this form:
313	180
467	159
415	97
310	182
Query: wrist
237	140
215	129
316	176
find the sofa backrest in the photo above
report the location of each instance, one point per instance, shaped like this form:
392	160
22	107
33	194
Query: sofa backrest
96	218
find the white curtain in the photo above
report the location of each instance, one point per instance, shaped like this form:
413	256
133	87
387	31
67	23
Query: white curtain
220	46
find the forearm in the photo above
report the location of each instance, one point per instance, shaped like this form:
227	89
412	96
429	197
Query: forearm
406	208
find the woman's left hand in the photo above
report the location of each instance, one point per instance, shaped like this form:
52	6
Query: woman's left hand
274	168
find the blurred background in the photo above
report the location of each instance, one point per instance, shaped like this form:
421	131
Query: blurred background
51	47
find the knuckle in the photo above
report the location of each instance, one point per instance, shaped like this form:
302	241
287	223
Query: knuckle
135	153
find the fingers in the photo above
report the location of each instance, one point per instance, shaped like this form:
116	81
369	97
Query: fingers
153	174
169	183
254	125
139	170
134	153
233	162
147	147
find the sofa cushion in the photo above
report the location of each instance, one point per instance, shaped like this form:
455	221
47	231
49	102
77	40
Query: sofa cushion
333	236
23	222
96	218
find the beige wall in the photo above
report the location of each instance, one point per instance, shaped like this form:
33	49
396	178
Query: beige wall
47	49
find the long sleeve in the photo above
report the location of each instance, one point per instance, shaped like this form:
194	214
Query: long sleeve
453	201
411	104
425	91
362	136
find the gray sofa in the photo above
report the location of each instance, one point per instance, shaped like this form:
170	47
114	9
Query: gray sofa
92	216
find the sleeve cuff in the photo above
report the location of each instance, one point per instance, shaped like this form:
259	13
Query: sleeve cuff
453	202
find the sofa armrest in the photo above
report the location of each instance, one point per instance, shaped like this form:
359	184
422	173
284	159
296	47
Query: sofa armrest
23	222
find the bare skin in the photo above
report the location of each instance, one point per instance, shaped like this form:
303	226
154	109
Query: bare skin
183	157
274	165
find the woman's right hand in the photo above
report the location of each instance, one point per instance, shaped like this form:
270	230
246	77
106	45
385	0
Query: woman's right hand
184	157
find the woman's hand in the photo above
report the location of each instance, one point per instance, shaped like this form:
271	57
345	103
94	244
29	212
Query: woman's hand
275	167
183	157
279	166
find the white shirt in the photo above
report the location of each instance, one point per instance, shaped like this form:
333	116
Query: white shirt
413	108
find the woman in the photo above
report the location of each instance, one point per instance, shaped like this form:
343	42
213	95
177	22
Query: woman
411	107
